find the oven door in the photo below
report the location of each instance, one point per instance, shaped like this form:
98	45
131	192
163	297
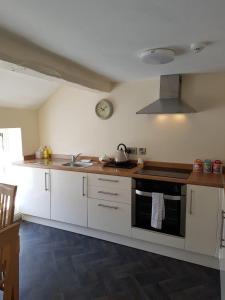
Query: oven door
173	212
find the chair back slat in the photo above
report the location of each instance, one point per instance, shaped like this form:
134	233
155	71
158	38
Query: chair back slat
7	204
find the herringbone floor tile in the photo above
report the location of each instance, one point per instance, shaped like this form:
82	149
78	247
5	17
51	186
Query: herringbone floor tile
59	265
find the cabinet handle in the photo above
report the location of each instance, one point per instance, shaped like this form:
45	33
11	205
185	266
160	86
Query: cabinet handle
83	187
108	193
191	200
222	233
110	180
46	184
108	206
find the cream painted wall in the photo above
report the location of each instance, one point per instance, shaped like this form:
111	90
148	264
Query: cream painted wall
68	123
25	119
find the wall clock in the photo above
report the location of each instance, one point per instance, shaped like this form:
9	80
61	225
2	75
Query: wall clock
104	109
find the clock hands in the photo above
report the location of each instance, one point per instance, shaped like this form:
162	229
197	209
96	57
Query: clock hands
103	108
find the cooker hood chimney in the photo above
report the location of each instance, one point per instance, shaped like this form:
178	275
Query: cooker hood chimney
169	101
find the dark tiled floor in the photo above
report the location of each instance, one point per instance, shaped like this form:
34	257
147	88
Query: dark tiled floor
59	265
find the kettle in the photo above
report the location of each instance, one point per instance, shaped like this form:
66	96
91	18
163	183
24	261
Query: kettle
121	154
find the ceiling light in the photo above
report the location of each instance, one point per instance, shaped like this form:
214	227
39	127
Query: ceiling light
157	56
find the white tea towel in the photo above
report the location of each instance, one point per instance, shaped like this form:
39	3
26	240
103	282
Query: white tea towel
158	210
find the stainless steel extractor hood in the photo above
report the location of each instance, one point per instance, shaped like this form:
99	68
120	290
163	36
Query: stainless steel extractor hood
169	101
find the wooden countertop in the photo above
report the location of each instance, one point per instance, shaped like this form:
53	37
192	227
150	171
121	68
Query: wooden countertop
212	180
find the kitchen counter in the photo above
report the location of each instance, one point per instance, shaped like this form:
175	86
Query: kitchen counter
212	180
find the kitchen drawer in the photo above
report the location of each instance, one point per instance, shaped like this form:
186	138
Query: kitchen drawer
109	216
110	193
109	181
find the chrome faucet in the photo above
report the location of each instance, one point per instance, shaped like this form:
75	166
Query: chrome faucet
75	157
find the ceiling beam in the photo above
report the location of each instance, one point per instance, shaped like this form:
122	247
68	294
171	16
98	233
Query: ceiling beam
17	50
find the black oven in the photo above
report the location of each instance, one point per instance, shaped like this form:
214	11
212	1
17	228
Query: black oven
174	195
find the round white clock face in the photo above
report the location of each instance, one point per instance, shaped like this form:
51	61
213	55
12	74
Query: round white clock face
104	109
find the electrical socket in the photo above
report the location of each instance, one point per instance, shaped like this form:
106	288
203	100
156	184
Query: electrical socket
142	151
132	150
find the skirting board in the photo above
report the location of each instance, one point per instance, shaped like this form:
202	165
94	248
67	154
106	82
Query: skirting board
17	217
204	260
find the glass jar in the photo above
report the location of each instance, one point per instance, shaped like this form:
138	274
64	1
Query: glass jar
207	168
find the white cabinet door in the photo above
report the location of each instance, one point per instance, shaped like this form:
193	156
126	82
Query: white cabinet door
109	216
69	197
34	192
202	219
222	248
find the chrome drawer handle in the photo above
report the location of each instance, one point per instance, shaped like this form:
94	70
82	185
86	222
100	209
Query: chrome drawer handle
108	206
46	184
191	200
109	180
83	187
222	233
108	193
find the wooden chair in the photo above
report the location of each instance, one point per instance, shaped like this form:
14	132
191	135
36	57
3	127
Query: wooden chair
7	204
9	261
7	253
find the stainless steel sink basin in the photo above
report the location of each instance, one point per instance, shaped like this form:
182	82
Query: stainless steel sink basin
78	164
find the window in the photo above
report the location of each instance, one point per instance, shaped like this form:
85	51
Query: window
10	151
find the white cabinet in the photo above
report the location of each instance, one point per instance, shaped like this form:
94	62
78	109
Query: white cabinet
222	246
202	219
109	203
33	192
69	197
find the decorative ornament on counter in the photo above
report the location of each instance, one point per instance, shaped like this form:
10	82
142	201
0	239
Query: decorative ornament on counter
140	163
208	166
198	166
104	109
217	167
43	152
39	153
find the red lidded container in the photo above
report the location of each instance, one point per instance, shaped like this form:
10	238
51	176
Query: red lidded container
217	167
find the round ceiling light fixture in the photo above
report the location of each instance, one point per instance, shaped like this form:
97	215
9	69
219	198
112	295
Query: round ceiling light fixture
157	56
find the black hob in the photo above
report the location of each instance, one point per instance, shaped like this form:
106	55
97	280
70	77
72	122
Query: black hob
164	172
124	165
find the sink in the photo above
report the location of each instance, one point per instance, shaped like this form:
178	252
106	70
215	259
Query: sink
78	164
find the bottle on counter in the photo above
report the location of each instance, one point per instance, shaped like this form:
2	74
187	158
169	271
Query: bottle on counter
45	152
49	152
207	168
217	167
140	163
198	166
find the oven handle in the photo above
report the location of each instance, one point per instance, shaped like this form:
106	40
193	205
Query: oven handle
166	197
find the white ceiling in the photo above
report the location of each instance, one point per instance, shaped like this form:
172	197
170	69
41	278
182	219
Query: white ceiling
105	35
19	90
